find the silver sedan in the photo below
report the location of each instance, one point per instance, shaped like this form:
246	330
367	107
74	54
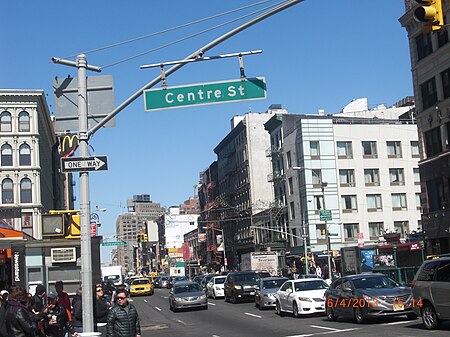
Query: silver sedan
265	293
187	294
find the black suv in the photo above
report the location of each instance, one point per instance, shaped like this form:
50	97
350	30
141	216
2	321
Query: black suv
431	291
240	285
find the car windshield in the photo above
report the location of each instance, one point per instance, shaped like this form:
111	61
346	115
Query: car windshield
374	283
273	284
245	278
187	288
263	274
310	285
219	280
140	282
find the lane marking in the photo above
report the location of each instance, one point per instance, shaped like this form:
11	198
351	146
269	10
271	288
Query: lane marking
395	323
159	309
253	315
211	303
181	322
323	327
145	301
324	333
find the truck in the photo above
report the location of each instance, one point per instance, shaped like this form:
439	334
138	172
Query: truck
267	261
112	274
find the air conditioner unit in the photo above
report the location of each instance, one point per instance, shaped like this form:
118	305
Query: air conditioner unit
63	255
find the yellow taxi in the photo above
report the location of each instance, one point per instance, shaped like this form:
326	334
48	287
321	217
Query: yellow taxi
141	286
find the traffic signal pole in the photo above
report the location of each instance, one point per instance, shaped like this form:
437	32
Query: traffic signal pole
84	135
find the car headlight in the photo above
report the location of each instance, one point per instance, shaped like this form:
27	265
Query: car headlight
237	286
202	297
304	299
178	299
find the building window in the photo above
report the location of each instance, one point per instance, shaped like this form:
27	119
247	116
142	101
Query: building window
397	176
344	150
423	45
416	174
418	202
7	191
433	143
372	177
442	37
314	148
318	202
351	231
24	122
394	149
25	191
349	204
292	207
429	93
415	149
27	220
316	177
369	149
401	227
347	177
435	195
6	155
374	203
291	186
289	159
24	155
376	229
5	122
445	78
398	201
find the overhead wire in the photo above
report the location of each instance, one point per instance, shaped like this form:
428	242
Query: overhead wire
192	35
91	51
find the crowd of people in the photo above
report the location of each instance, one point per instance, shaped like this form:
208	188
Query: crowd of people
54	314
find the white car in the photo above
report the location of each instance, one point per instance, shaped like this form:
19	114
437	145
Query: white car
301	297
215	287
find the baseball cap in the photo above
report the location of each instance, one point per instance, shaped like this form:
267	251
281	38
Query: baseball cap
52	294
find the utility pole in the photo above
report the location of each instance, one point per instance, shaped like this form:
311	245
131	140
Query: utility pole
330	272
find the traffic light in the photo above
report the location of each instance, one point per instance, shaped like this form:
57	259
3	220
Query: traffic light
144	238
323	231
431	13
139	237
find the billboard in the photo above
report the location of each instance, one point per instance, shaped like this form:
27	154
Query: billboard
384	260
366	259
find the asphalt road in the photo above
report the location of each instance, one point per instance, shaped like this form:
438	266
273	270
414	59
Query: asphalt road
244	319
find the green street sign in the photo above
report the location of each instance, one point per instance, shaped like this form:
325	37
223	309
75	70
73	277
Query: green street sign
114	243
325	215
205	93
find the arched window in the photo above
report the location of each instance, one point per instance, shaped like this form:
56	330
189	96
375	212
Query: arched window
5	122
24	122
6	155
24	155
25	191
7	191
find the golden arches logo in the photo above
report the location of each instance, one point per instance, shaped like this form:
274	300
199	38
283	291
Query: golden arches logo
69	144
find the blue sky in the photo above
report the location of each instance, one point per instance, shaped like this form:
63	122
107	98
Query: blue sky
319	54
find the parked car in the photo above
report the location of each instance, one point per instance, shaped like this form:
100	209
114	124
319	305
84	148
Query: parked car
367	296
431	292
300	297
215	286
265	292
240	285
187	294
141	286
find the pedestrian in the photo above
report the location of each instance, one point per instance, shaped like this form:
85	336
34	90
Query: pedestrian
63	297
3	299
101	310
319	271
56	322
77	311
123	318
18	315
39	298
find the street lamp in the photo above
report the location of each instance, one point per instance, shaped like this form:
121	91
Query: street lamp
327	234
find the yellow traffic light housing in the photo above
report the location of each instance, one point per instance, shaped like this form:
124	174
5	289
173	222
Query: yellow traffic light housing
323	232
139	237
144	237
431	12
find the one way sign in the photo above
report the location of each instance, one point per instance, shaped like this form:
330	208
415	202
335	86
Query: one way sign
84	164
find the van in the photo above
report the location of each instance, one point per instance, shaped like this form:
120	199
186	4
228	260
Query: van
431	292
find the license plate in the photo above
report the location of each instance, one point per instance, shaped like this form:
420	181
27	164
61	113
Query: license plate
252	293
398	307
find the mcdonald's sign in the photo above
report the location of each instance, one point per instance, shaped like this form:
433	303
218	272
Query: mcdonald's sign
69	144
